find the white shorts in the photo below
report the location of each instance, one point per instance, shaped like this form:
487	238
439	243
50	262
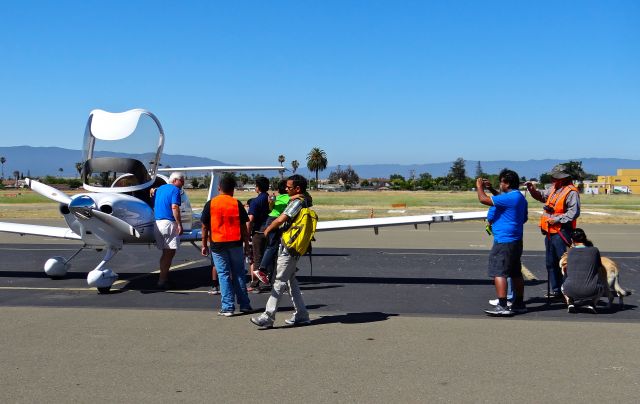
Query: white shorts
167	237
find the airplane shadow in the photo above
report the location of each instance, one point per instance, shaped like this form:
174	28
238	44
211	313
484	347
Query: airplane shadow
41	275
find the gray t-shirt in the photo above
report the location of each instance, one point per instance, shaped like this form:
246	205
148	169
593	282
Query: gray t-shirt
583	264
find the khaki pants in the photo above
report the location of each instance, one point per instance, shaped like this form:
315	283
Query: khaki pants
286	279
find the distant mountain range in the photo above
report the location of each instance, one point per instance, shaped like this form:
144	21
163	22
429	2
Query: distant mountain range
41	161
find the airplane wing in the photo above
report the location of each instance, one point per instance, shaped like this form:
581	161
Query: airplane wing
375	223
36	230
224	168
398	221
193	235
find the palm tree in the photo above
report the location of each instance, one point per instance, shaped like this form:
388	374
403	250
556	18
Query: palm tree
3	160
281	159
316	161
60	170
295	165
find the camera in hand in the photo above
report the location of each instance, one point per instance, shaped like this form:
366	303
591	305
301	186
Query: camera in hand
548	209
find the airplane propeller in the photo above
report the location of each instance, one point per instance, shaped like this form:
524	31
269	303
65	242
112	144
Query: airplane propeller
116	223
48	191
84	208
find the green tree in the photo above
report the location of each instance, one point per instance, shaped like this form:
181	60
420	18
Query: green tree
3	160
574	168
281	159
457	172
317	161
79	168
348	176
425	181
194	182
294	165
244	178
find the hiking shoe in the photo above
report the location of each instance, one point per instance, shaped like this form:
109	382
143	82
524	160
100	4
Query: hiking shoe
295	322
262	321
262	276
499	311
246	310
495	302
166	285
215	290
518	309
591	308
571	308
225	313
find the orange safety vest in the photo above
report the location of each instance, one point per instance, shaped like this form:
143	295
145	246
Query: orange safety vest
225	219
555	202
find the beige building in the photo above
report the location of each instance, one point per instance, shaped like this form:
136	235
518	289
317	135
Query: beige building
627	180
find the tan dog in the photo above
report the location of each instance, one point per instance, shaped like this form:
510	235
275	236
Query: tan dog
609	271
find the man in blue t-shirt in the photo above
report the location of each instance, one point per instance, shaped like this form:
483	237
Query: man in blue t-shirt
507	216
168	226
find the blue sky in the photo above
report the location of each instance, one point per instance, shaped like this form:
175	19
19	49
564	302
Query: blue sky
367	81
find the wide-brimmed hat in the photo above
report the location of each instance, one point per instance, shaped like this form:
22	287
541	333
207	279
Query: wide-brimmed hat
559	172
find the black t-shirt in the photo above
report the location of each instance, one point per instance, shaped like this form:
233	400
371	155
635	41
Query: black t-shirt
583	264
205	218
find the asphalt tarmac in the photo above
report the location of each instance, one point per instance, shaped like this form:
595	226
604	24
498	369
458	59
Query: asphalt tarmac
395	317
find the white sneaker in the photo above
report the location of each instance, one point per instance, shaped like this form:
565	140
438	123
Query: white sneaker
495	302
294	321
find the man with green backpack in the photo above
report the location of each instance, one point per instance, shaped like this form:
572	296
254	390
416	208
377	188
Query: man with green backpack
299	225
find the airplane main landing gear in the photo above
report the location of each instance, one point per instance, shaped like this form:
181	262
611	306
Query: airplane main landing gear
57	267
103	278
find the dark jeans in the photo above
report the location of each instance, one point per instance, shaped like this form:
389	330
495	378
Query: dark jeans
554	247
271	250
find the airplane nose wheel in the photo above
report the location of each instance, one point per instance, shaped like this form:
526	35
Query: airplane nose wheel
103	278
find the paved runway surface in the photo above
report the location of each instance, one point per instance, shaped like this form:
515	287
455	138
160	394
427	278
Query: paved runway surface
388	324
432	282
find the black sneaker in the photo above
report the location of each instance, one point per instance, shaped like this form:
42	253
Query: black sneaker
519	309
571	308
591	308
246	310
553	295
499	311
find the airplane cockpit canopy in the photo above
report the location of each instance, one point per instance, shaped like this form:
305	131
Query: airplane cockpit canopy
121	151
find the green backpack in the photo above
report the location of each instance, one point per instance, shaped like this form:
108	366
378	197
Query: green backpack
297	238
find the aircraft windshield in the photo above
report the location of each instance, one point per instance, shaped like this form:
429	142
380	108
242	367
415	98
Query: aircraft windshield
121	151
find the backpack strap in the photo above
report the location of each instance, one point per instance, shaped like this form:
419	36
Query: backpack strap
310	260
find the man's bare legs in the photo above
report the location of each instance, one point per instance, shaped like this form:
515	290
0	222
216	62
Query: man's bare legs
165	263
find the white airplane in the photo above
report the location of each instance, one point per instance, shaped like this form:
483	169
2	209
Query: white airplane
117	209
